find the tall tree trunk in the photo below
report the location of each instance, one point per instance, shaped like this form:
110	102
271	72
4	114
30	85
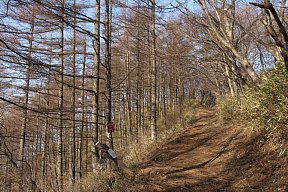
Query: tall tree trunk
108	72
153	125
61	103
96	86
74	155
26	100
82	114
46	136
139	79
164	95
108	18
128	96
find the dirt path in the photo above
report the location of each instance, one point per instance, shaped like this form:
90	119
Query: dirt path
209	157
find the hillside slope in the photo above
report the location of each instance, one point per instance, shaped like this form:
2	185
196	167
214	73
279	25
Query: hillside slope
210	156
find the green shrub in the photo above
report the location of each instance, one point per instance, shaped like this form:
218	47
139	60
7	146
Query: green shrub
270	102
264	106
230	109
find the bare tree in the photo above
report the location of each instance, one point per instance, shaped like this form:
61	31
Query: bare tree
279	33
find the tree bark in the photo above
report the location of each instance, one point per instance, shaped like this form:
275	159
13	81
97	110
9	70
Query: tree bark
153	115
96	85
61	103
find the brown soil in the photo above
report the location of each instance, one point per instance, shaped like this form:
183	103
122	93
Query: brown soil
210	156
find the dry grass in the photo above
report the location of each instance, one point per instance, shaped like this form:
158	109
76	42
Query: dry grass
101	181
176	124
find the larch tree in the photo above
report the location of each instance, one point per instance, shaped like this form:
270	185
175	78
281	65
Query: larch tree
153	74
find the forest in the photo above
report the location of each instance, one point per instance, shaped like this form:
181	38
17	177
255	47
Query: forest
91	89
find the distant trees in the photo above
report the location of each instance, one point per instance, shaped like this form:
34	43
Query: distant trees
69	68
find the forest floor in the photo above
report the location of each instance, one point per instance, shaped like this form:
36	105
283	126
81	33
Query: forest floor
211	156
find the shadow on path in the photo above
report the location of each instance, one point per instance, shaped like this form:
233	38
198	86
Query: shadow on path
210	157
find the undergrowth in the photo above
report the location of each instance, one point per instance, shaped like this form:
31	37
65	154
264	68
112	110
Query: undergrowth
120	180
264	107
100	181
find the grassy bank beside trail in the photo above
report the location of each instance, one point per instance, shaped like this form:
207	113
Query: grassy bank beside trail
264	108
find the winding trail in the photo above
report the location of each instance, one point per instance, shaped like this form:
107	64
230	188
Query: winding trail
208	156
